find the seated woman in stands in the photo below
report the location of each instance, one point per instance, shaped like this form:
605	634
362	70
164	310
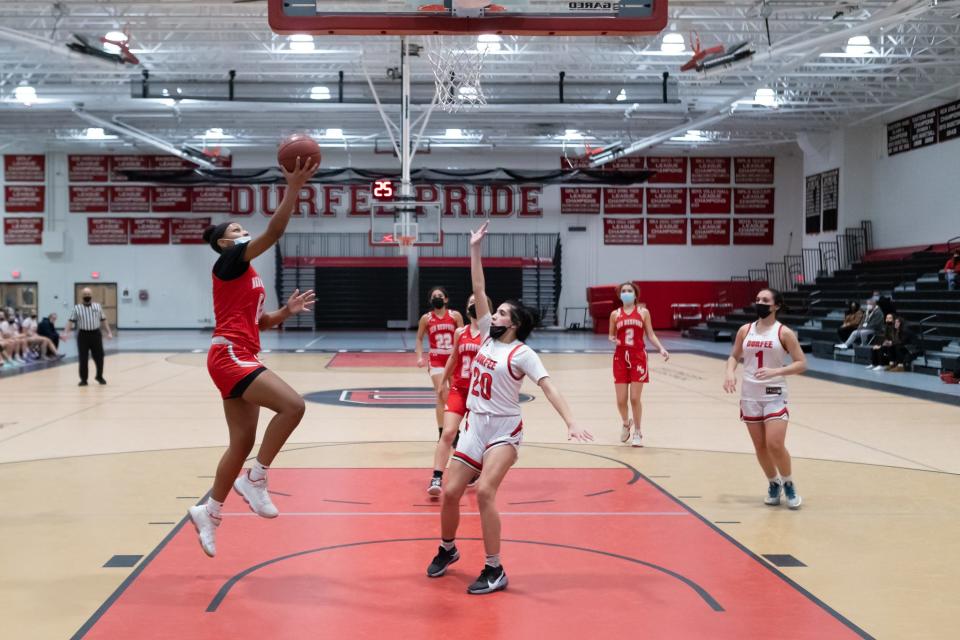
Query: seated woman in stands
893	351
851	320
870	325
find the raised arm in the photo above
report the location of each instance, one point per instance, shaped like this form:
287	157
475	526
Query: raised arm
651	336
476	270
278	223
736	354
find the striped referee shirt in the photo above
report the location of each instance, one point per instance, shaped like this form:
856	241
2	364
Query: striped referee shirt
87	318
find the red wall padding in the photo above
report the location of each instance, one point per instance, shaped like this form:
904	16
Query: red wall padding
659	296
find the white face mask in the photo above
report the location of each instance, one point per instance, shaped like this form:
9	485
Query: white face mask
241	240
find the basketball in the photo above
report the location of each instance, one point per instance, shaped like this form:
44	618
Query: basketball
298	145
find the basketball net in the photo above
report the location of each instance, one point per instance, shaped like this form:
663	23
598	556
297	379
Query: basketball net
457	62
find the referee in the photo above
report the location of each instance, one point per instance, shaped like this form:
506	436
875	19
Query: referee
87	318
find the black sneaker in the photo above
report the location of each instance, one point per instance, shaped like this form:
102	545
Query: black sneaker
443	559
101	381
491	579
83	383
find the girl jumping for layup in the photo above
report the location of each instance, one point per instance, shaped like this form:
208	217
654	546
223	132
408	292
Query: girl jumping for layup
466	344
494	430
244	383
628	325
763	346
439	325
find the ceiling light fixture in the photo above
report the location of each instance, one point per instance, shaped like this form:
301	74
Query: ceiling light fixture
320	93
300	43
25	95
114	36
488	43
673	43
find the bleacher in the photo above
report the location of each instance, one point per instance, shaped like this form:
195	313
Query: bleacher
912	280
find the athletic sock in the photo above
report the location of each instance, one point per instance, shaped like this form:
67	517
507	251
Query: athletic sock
437	473
776	479
786	479
448	545
493	561
258	471
214	507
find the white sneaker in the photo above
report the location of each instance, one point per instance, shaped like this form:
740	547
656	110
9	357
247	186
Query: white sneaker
625	431
206	526
793	498
869	366
840	346
637	438
879	367
255	494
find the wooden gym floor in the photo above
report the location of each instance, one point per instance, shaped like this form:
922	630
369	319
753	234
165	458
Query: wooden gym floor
672	540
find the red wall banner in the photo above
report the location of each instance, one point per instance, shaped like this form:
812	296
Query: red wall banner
753	170
753	201
669	170
22	230
130	199
24	168
24	199
666	231
107	230
622	200
709	200
753	231
171	199
188	230
629	163
710	170
579	199
667	200
150	231
623	231
710	231
89	199
119	164
171	163
212	199
89	168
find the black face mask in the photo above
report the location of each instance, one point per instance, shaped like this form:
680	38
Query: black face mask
763	310
497	332
472	311
87	299
437	303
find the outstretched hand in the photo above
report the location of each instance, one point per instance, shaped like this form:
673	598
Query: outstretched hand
300	302
303	172
476	237
575	432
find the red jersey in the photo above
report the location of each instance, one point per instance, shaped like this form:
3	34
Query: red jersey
440	333
467	348
630	331
238	295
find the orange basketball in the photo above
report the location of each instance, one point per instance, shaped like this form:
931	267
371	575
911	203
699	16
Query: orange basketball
298	145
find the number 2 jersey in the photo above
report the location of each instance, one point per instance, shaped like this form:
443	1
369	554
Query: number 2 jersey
763	349
629	327
498	373
238	295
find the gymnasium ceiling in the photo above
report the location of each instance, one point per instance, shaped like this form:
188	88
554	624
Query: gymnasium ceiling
813	77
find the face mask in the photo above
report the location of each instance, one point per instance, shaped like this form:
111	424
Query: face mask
87	299
497	332
437	303
241	240
627	298
763	310
472	311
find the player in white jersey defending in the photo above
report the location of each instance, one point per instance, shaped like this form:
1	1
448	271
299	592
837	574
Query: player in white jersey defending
763	345
494	429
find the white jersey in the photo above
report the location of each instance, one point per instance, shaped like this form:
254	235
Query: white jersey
763	350
498	373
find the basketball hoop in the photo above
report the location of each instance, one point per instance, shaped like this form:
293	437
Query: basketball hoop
457	62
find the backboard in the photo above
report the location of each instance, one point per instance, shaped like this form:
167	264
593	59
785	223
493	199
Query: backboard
431	17
405	224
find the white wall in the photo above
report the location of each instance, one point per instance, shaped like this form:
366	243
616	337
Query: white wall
178	281
912	198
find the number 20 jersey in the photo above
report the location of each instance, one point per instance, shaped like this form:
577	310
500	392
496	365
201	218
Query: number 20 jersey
498	372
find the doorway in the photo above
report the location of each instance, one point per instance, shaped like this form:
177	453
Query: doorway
104	293
19	296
